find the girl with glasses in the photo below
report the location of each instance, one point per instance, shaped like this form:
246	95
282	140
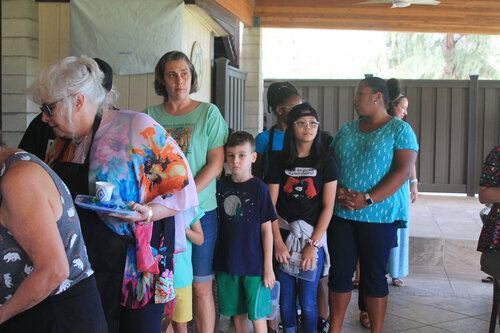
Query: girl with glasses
302	184
282	96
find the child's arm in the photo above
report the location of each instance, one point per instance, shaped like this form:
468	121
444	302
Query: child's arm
195	233
267	245
309	252
280	249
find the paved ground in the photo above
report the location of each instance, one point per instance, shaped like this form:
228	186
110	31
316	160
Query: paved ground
443	292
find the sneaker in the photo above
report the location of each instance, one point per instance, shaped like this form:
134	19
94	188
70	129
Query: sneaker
323	325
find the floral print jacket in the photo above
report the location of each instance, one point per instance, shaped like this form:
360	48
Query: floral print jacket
133	152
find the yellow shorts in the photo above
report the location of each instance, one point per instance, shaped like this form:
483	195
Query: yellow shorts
183	311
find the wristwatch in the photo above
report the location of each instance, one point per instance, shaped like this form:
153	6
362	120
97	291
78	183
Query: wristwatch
368	199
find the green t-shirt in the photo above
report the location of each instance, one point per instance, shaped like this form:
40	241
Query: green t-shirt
196	133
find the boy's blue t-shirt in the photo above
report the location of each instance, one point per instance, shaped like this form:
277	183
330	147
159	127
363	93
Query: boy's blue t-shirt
363	159
241	209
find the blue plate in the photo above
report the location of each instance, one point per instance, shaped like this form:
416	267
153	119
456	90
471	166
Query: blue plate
92	203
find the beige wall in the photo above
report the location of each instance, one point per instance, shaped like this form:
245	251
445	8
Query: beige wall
136	91
53	30
196	31
36	35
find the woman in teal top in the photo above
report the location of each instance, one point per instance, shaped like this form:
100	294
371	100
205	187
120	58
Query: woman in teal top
375	156
201	132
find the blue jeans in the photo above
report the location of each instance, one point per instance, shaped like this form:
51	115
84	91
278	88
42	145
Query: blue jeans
203	255
307	291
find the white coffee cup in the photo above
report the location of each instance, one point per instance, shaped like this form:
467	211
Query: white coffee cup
104	190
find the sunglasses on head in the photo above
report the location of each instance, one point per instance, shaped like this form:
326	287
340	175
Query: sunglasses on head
47	108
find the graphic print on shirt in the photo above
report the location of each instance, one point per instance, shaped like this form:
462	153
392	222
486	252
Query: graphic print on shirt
300	188
182	135
233	208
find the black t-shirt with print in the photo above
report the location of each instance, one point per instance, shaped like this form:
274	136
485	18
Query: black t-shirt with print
300	195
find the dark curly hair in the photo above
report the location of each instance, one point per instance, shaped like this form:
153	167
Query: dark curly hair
160	73
278	93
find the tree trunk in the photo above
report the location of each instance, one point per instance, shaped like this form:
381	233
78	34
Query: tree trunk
448	45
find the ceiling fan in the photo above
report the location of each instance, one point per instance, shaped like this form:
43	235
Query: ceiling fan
402	3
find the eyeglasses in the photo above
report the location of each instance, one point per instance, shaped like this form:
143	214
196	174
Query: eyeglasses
47	108
304	124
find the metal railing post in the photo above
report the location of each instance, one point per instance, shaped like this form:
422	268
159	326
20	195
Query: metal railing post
471	135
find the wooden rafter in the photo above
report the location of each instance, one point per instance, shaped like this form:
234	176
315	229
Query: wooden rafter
242	9
451	16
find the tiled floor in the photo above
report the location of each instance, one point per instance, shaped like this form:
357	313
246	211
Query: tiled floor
444	292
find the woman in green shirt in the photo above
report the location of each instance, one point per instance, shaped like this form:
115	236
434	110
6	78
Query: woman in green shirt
201	132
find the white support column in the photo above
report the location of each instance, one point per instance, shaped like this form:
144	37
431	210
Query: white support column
251	62
19	66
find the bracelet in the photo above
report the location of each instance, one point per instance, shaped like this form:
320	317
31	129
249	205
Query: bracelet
150	216
315	243
413	181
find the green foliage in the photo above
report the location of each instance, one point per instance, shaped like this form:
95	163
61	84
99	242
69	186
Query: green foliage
344	54
439	56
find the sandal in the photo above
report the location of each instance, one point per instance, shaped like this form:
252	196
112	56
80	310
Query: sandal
355	283
487	279
397	282
364	319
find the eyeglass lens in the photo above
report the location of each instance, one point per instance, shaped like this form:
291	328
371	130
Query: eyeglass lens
304	124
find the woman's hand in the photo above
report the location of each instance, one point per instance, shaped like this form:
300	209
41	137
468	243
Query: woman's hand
142	213
350	199
281	252
308	257
358	201
159	212
344	198
413	192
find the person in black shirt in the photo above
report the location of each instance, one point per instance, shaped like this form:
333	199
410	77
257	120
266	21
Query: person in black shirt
302	184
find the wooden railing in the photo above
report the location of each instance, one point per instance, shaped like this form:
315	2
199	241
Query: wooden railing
230	93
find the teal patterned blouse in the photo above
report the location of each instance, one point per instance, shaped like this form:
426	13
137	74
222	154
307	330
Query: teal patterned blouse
363	159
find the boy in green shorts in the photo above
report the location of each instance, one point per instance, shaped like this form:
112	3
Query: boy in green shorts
243	259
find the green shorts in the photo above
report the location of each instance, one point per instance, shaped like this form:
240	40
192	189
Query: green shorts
243	294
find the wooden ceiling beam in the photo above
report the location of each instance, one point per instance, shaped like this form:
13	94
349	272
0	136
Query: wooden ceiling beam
242	9
459	16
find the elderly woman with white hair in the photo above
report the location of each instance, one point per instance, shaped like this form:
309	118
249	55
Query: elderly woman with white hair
132	257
